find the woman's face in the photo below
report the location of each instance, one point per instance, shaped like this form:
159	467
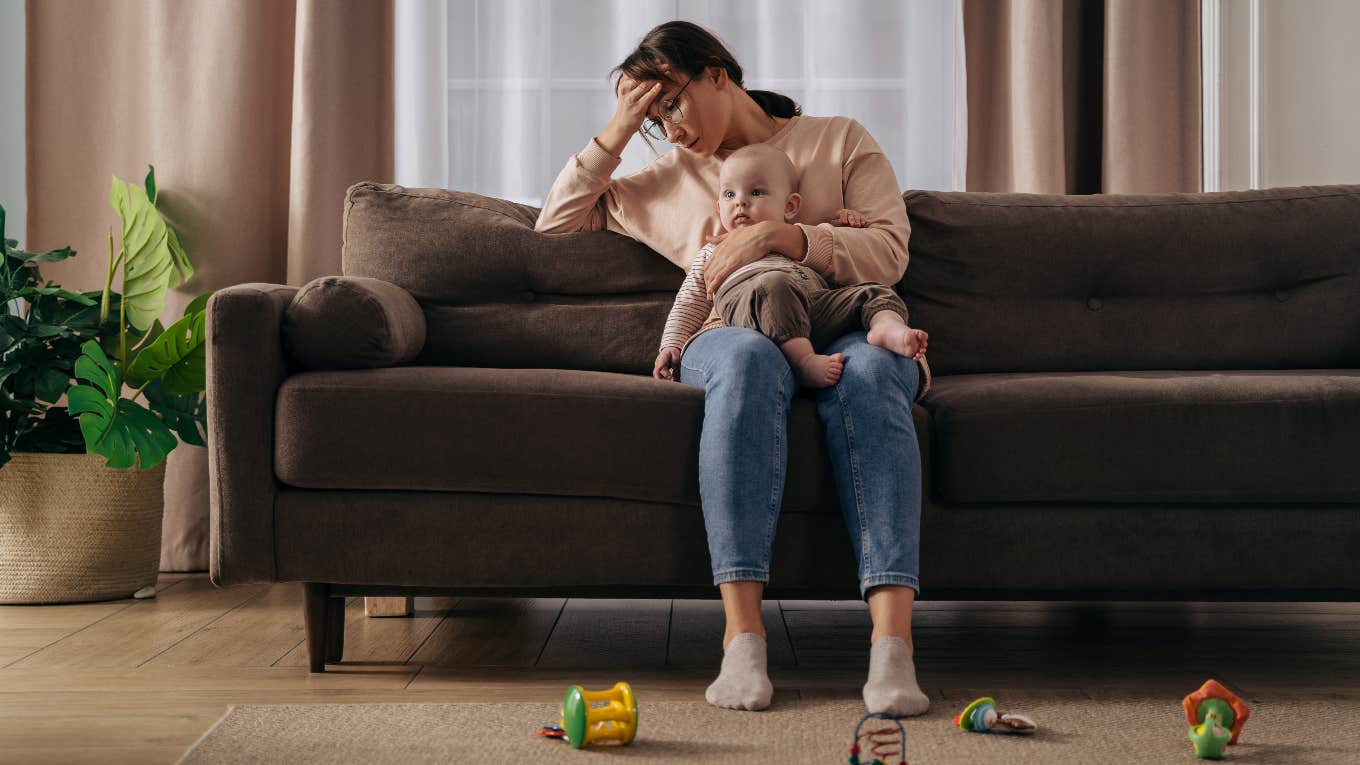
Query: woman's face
704	111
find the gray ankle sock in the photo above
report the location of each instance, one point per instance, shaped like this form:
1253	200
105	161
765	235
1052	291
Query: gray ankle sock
892	680
743	682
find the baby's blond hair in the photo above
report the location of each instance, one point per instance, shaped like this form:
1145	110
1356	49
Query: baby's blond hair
779	165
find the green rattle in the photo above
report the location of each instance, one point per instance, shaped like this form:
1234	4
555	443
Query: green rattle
615	722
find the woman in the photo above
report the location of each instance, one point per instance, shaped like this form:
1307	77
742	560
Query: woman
683	84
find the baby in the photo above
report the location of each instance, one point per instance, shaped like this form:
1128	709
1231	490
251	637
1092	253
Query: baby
787	302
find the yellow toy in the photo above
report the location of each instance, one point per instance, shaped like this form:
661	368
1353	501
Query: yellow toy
616	722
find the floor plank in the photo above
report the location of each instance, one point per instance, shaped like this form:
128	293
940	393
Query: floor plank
257	633
138	633
24	630
377	641
141	680
492	631
698	626
597	633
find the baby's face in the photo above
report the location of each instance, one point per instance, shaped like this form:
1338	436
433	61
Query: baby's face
747	195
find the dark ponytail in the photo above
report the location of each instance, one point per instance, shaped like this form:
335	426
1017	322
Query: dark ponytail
688	49
775	104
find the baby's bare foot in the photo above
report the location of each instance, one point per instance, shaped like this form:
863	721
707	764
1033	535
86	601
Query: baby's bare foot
898	338
819	371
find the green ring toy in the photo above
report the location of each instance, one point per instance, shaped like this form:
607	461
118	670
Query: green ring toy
966	719
616	721
981	716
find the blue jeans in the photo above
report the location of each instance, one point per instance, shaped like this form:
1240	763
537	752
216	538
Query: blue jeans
748	387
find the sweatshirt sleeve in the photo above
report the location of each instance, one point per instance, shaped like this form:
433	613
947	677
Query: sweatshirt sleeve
691	307
878	252
583	198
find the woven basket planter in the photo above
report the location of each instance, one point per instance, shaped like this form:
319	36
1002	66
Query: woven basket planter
74	530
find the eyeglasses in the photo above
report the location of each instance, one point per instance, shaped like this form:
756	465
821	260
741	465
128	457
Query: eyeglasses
653	126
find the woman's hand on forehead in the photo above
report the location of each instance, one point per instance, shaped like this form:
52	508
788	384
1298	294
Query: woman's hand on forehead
625	80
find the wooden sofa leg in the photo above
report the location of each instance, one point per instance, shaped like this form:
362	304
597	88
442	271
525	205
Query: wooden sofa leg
397	606
316	623
335	630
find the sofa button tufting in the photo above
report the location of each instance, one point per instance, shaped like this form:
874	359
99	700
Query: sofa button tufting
1094	303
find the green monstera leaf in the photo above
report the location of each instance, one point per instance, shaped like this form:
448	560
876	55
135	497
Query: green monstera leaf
60	434
35	293
178	357
51	256
111	349
18	268
198	303
187	415
155	260
122	431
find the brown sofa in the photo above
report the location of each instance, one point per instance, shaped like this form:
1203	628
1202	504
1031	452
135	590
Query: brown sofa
1134	397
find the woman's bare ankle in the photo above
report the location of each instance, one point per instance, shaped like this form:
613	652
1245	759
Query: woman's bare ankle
874	636
734	631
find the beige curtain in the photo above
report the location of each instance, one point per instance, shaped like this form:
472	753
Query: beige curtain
1083	96
257	115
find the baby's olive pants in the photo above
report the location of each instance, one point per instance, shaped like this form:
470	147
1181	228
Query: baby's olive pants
783	300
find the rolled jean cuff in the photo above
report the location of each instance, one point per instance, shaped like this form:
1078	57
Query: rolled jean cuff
741	575
873	581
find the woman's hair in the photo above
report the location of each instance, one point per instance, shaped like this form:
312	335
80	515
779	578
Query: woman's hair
688	49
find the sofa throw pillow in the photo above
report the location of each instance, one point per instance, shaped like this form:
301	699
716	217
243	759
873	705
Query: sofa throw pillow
352	322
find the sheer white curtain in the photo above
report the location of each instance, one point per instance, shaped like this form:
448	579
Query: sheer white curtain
493	96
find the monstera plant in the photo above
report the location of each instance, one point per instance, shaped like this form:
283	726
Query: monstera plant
104	350
75	524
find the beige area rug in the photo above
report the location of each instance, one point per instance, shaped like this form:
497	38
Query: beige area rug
1289	730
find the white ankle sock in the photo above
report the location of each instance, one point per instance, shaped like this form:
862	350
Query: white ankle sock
892	680
743	682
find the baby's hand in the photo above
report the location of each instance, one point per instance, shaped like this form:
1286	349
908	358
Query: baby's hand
666	362
848	217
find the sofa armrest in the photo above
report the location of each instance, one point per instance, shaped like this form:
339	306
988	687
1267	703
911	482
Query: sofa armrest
245	366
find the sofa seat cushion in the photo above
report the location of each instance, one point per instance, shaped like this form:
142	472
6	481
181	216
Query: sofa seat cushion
524	431
1250	436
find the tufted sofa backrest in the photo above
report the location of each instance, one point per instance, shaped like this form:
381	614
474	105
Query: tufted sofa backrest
1264	279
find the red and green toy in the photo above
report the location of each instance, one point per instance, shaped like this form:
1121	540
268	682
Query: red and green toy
1216	716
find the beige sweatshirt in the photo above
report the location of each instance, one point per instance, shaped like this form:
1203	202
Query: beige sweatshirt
672	204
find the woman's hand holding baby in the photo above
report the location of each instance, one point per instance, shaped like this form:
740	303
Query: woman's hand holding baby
735	249
666	363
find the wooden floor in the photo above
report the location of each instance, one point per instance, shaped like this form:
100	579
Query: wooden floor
139	681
